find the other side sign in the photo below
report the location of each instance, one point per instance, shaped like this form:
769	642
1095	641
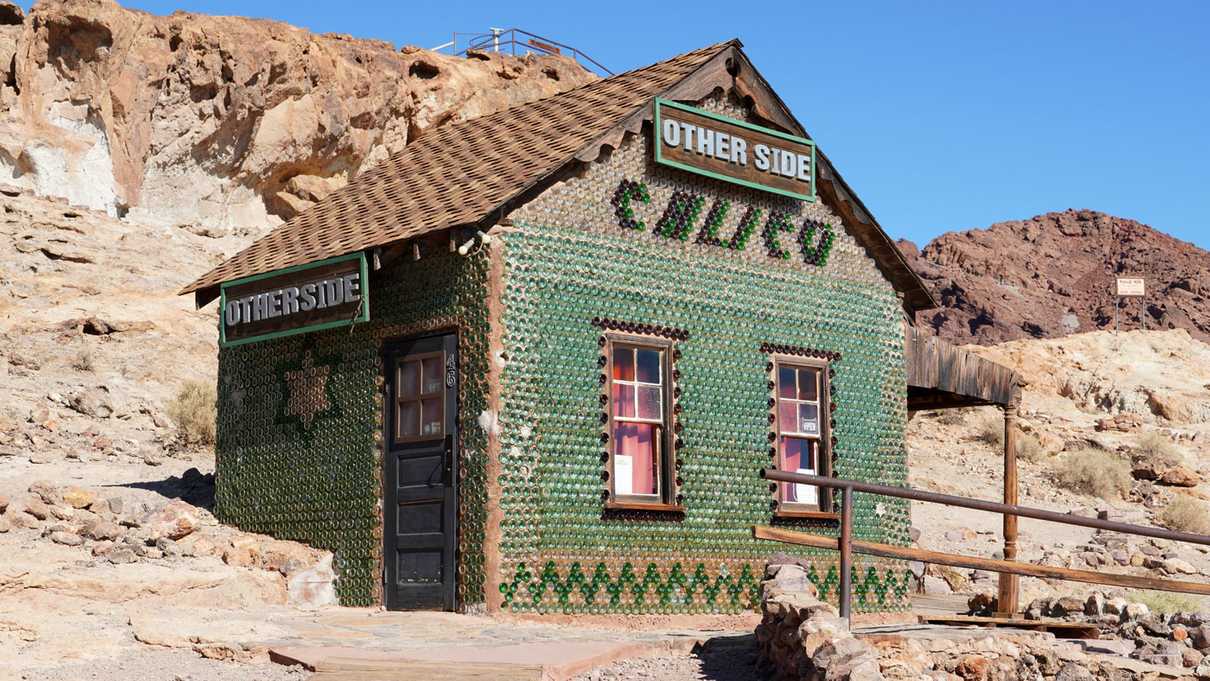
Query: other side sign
312	297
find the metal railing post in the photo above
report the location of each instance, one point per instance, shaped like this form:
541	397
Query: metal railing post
846	556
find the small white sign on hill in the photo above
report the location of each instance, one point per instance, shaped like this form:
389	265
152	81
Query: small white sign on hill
1131	286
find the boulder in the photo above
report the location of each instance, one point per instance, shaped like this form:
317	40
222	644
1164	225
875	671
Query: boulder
66	538
173	520
1180	476
121	555
1135	611
78	497
47	492
95	402
105	530
1178	566
1199	636
1067	605
37	509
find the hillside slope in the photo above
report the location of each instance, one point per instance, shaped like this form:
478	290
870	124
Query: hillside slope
1053	275
223	121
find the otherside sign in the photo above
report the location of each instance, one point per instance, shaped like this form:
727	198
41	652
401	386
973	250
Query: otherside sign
735	151
312	297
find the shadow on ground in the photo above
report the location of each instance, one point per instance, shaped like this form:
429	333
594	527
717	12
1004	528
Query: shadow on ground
192	487
729	658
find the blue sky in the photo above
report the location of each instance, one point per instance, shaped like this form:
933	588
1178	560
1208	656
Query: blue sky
941	115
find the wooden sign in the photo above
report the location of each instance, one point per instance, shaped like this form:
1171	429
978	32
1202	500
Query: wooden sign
1131	286
732	150
319	295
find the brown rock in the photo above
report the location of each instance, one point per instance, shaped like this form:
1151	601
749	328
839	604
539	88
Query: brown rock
66	538
37	509
1180	476
46	491
973	668
1055	266
173	520
3	503
105	530
78	497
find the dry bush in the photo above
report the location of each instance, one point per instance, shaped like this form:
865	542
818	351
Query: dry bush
1029	448
991	431
84	362
952	417
1166	603
1186	514
1094	472
193	411
1156	448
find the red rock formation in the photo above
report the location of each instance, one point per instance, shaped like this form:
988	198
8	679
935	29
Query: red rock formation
1053	275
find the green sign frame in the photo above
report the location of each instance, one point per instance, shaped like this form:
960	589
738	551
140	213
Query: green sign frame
661	103
362	316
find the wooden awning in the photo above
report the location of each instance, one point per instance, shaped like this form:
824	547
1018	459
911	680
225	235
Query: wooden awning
942	376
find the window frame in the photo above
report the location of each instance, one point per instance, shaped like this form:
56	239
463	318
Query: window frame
668	498
823	508
419	398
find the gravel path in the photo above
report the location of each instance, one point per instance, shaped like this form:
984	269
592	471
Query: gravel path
720	659
150	664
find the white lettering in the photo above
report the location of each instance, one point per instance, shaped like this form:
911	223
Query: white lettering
672	133
231	312
721	146
705	142
306	297
761	152
739	151
352	287
789	164
290	300
688	129
804	167
275	303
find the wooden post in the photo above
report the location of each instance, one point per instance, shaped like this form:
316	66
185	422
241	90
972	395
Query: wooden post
1009	584
845	544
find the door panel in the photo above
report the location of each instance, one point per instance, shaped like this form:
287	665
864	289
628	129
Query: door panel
420	504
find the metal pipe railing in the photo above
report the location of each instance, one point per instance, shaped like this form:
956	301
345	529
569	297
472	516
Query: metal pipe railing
989	506
846	545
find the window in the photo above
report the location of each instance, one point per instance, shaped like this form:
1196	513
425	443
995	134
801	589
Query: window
639	409
420	398
800	431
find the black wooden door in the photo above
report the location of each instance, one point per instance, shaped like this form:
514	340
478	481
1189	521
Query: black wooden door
421	436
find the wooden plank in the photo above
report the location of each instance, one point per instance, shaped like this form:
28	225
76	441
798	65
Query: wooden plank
976	563
939	604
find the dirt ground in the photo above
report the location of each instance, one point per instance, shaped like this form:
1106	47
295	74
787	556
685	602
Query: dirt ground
728	658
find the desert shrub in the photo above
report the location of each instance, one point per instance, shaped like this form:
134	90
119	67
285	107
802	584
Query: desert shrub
1164	602
83	361
1186	514
1094	472
952	417
1029	448
991	431
1156	448
193	411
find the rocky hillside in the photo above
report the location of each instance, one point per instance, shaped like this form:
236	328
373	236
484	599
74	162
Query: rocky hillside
223	121
1053	274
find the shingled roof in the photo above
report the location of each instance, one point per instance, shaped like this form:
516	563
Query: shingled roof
458	174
